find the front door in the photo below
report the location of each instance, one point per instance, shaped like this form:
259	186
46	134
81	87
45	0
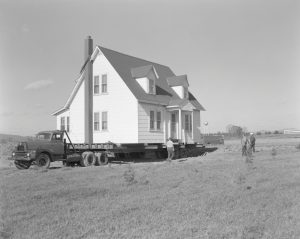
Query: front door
173	125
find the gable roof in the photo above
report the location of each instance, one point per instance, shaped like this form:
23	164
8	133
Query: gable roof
129	68
142	71
124	64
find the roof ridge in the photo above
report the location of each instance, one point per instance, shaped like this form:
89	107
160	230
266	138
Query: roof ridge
133	56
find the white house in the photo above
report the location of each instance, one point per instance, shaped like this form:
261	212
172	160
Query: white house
124	99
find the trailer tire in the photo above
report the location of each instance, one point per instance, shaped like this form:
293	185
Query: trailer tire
101	159
20	164
43	161
87	159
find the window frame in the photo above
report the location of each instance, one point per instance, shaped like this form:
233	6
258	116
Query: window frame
106	84
185	93
102	121
96	124
68	124
62	123
152	121
160	114
96	77
188	122
151	90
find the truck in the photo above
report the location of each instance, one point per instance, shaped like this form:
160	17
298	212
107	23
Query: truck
56	145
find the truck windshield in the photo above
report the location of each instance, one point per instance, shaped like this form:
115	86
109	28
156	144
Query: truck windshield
43	136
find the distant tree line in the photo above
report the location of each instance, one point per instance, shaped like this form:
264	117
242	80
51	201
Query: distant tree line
237	131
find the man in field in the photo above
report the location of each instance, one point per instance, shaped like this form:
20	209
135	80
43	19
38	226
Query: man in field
252	142
170	149
244	143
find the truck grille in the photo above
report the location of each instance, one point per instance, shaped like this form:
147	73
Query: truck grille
21	147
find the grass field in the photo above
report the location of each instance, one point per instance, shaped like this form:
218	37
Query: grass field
216	196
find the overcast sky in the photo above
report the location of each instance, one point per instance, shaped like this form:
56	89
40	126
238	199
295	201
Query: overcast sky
242	57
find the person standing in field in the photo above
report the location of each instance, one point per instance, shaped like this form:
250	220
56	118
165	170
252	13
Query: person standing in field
252	142
244	143
170	149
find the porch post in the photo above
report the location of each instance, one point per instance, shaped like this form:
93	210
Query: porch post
193	126
169	123
179	126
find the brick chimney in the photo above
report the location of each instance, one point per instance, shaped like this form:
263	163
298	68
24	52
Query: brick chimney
88	91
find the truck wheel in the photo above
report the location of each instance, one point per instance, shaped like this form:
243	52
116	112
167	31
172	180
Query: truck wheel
101	159
43	161
22	164
87	159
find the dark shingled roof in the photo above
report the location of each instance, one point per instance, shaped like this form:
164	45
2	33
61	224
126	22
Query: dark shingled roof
178	81
141	71
125	64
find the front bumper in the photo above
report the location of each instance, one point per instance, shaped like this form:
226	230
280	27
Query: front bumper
24	156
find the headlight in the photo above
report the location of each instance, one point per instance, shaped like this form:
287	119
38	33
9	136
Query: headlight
31	154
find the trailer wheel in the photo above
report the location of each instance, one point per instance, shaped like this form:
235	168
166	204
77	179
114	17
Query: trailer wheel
43	161
87	159
20	164
101	159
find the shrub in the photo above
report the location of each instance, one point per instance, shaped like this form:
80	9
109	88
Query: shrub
3	141
273	152
129	175
258	133
298	146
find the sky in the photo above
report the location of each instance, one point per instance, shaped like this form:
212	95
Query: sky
242	57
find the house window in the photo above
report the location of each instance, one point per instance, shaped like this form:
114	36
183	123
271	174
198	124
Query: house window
151	86
151	120
62	123
158	120
68	124
173	122
186	93
96	84
188	122
96	121
104	84
104	120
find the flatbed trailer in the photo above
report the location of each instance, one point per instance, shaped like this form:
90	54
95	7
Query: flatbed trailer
52	146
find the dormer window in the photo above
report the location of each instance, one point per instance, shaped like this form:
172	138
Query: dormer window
186	93
151	88
146	77
180	85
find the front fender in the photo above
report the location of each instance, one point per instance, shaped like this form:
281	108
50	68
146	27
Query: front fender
43	151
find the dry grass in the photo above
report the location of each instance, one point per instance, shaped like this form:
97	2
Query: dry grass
217	196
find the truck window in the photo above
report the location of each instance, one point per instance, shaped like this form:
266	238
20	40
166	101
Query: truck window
57	137
43	136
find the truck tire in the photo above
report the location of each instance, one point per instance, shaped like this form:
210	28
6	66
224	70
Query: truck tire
101	159
21	164
43	161
87	159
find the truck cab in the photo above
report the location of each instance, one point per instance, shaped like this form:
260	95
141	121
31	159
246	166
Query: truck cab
48	146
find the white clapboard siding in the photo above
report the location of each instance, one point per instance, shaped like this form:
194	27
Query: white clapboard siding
119	103
196	126
58	118
145	135
77	117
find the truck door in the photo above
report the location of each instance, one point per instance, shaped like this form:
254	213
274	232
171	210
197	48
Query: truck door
57	144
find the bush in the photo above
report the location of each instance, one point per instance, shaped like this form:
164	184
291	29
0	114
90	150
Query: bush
129	175
298	146
3	141
258	133
273	152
